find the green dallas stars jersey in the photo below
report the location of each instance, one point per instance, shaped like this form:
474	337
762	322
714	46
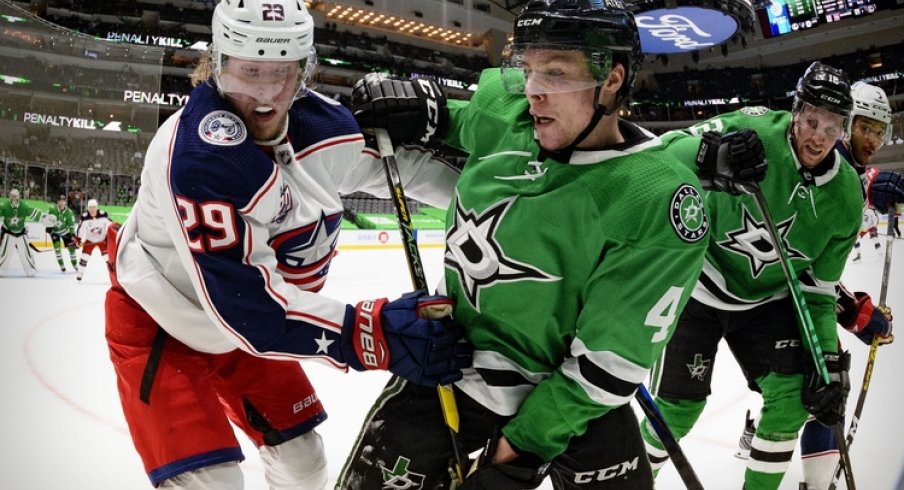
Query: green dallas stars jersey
65	220
14	218
818	224
568	278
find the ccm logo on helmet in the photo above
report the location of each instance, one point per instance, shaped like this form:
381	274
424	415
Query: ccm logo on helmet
529	22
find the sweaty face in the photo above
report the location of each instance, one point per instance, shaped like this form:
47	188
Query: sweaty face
560	106
261	92
867	136
815	133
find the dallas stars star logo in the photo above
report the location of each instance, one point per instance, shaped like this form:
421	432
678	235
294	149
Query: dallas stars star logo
474	253
753	242
399	478
699	368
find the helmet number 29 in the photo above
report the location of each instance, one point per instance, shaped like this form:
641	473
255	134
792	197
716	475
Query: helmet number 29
662	314
273	11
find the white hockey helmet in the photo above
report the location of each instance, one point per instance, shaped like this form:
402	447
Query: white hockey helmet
277	30
870	102
92	203
14	196
272	30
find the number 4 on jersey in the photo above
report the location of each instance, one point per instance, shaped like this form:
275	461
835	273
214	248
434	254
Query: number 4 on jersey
662	314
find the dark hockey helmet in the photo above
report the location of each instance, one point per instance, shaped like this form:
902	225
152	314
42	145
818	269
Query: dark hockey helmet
825	87
605	29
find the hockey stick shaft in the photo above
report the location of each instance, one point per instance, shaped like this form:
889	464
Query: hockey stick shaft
654	416
873	346
419	280
808	331
805	322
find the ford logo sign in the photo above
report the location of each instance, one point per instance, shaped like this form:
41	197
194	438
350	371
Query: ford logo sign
684	29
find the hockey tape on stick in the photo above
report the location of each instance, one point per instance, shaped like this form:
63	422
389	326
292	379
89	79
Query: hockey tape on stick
419	280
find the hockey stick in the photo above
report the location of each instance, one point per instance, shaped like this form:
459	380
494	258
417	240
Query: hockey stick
682	465
804	321
873	347
419	279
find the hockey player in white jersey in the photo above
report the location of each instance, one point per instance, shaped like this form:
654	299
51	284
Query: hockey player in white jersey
216	269
90	235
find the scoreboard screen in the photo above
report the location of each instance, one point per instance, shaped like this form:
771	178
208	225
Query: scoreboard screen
787	16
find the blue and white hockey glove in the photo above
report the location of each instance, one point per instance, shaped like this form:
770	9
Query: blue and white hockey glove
413	337
884	189
858	315
733	162
410	110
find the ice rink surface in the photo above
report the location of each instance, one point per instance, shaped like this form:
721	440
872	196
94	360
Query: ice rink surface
63	427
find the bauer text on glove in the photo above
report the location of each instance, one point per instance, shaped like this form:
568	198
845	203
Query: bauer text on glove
395	335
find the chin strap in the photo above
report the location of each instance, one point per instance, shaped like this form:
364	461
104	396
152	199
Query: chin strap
564	155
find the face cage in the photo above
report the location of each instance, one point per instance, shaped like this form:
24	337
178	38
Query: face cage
515	77
305	74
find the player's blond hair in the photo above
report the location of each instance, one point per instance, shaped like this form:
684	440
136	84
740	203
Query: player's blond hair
203	71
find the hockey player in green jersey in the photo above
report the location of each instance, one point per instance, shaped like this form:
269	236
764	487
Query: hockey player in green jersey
572	244
14	234
60	223
816	201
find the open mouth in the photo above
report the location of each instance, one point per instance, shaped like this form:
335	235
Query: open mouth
264	113
814	152
542	120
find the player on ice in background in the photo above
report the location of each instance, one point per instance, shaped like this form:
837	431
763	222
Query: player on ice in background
870	127
60	224
742	296
869	226
91	234
216	270
573	242
14	233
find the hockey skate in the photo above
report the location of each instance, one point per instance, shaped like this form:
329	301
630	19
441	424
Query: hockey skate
743	451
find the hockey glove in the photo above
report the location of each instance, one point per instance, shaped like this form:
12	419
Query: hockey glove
732	162
858	315
406	337
525	471
883	189
411	111
827	401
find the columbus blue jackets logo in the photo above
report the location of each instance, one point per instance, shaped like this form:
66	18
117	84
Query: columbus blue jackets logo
304	253
687	215
473	251
222	128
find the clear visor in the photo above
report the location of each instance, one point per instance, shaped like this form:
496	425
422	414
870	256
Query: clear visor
549	69
812	120
266	82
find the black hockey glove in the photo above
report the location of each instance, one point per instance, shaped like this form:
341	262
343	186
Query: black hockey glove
525	471
884	189
413	337
412	111
732	162
827	401
857	315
